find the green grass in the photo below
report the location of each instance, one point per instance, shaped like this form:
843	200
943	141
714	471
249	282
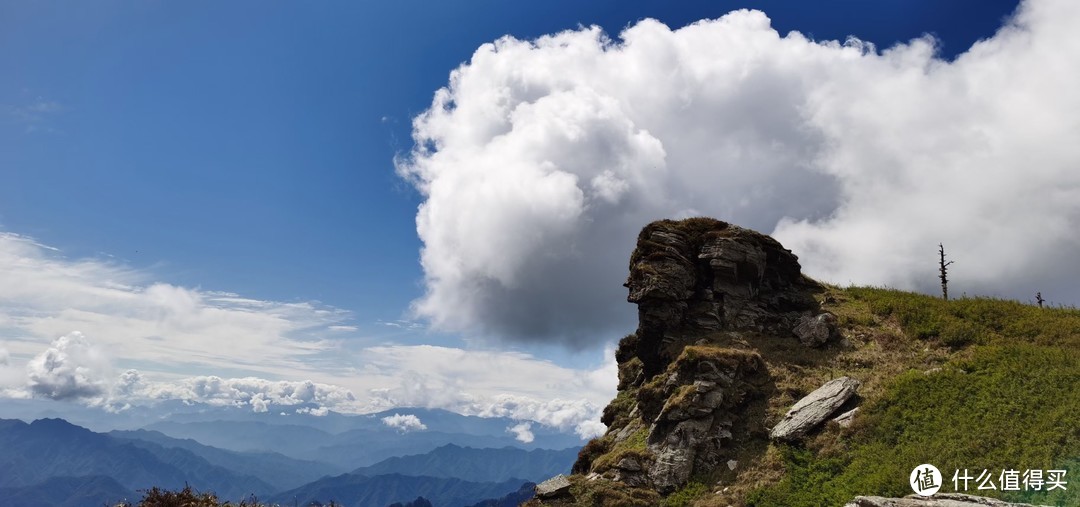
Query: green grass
686	495
1008	398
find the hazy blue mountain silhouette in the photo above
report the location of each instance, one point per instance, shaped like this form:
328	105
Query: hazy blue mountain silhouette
480	465
276	469
353	490
51	448
89	491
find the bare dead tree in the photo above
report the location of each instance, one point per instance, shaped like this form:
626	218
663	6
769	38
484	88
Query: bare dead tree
944	277
1039	299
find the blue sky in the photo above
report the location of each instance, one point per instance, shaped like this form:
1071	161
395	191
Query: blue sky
185	150
249	146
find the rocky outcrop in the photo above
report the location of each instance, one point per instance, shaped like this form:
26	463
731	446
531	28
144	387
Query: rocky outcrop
699	275
815	408
689	400
938	500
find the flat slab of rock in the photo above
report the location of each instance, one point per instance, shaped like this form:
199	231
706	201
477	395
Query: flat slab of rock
938	500
814	409
553	487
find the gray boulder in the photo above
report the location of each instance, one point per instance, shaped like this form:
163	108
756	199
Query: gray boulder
814	409
938	500
553	487
815	330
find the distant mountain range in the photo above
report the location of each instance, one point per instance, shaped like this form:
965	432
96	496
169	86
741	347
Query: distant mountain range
480	465
93	490
276	469
53	462
353	490
364	441
51	448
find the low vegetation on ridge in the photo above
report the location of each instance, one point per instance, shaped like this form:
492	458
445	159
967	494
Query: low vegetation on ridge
971	383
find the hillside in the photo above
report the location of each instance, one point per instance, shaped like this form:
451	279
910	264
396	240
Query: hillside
731	335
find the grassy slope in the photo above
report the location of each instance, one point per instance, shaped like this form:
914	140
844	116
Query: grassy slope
970	383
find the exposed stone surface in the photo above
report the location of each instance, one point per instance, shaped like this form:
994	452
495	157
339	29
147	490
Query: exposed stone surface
631	472
845	419
697	283
700	275
815	408
815	330
553	487
938	500
694	408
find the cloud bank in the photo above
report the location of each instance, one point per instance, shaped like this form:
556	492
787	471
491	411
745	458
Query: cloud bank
141	342
541	160
129	315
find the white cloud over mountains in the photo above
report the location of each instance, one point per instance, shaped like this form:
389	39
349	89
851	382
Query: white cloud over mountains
69	369
404	423
127	314
103	334
541	160
522	432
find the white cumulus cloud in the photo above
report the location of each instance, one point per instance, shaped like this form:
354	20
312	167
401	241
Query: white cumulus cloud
522	432
404	422
70	368
317	412
541	159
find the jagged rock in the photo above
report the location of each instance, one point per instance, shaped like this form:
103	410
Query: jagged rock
553	487
815	331
845	419
813	409
675	454
938	500
700	275
689	374
703	395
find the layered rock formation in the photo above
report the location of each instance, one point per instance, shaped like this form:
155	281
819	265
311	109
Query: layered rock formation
692	393
701	275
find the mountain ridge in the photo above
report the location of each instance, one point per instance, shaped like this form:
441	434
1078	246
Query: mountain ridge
731	337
